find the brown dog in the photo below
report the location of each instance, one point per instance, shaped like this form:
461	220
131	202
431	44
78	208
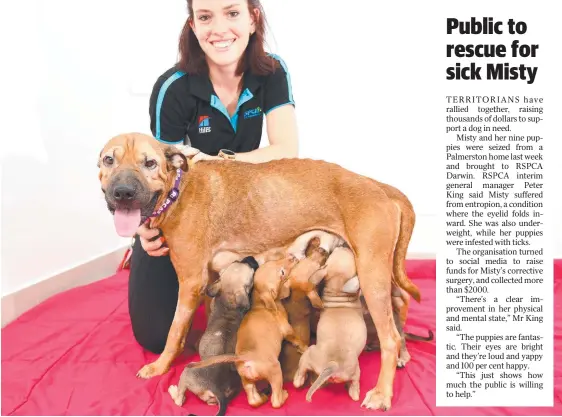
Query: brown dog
298	305
246	209
341	333
261	333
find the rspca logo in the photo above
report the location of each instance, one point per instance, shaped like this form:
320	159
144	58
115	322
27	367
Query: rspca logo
252	113
204	126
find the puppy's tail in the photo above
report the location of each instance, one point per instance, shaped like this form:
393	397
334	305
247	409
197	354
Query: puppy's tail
323	377
223	402
407	221
217	360
411	336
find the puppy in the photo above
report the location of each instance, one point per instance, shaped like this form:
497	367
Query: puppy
298	305
341	333
261	333
229	303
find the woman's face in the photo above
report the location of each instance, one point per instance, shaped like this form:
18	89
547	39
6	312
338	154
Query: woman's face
223	28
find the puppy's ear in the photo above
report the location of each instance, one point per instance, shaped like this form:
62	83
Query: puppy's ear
313	244
318	276
214	288
285	290
315	300
175	158
268	298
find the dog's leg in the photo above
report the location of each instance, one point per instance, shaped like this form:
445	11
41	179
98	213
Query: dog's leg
255	398
188	301
304	367
290	336
278	394
374	238
375	275
353	389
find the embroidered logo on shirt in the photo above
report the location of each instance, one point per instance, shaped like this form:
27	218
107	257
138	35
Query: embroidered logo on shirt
204	125
252	113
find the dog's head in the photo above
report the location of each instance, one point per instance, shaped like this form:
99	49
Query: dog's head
271	281
301	274
339	272
135	169
235	283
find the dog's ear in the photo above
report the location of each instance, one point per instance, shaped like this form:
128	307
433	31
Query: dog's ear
351	286
315	300
214	288
285	290
318	276
313	244
175	158
268	298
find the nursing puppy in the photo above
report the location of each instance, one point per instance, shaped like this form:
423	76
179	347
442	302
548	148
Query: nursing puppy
341	333
230	301
261	333
298	305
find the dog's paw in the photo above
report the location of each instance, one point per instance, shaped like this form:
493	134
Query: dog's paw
298	380
354	391
178	399
403	359
151	370
376	400
278	401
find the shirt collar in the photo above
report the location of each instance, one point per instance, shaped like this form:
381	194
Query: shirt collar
200	85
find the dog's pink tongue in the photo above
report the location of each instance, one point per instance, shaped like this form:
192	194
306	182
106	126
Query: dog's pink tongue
127	222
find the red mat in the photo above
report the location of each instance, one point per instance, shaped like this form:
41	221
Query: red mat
75	355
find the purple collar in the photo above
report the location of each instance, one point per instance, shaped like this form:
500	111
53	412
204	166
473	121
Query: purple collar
172	196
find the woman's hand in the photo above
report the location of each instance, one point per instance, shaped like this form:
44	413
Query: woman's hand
204	157
195	154
152	247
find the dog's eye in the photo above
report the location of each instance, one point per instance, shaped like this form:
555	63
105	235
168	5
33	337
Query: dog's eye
107	161
282	272
150	164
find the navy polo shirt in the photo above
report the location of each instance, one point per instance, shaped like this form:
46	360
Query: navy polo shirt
186	105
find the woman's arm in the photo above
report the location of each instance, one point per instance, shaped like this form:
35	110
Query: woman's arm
282	134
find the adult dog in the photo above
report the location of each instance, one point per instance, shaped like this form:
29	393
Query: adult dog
244	209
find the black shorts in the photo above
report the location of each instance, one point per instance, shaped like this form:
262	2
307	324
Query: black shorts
153	296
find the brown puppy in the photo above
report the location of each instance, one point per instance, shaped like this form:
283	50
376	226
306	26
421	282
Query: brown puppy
230	296
247	209
298	305
341	333
261	333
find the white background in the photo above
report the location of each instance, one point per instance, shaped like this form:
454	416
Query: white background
368	80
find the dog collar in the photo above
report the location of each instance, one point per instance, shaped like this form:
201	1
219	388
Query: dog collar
172	196
251	262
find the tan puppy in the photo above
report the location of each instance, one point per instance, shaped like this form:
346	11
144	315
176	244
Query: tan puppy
261	333
298	305
247	209
341	333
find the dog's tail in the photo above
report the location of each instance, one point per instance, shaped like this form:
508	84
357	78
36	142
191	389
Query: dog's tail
411	336
323	377
407	221
223	403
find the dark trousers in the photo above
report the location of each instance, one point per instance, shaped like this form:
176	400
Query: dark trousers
153	296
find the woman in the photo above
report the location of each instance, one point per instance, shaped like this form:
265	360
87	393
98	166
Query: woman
217	96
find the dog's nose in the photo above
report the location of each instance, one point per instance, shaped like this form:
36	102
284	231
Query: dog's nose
123	193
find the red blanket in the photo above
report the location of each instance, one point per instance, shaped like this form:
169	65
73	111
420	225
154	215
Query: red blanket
75	354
